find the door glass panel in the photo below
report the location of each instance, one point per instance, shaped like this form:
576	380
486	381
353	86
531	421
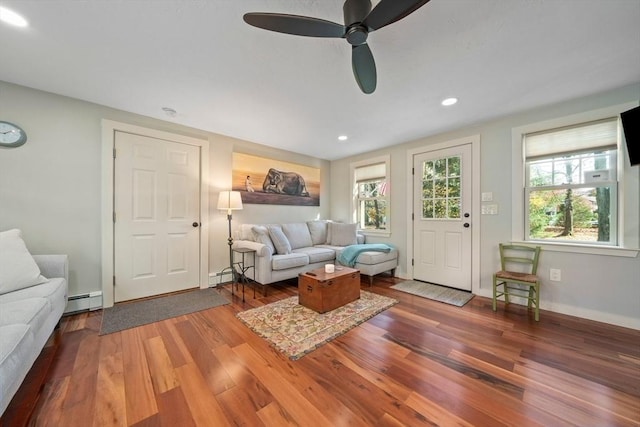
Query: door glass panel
441	193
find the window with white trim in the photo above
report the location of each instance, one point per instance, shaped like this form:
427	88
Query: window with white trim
571	183
371	195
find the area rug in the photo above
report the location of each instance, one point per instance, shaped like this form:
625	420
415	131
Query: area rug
129	315
296	330
435	292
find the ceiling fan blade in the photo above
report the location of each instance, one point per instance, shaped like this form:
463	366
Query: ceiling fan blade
294	24
390	11
364	67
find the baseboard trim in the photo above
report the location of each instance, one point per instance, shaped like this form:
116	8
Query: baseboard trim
583	313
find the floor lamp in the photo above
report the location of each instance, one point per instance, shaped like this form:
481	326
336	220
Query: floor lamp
229	201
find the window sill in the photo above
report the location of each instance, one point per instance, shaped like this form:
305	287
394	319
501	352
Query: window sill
583	248
372	233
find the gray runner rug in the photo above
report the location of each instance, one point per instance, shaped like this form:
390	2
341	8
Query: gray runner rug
435	292
131	314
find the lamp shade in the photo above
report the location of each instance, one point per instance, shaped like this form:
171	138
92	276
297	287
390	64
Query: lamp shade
229	201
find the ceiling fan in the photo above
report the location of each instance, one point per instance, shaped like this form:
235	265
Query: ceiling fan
359	21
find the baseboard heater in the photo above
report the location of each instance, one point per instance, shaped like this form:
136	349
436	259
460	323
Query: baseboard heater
84	302
216	279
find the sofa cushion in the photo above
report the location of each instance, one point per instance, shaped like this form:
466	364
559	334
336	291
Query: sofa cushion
372	257
318	231
52	289
298	235
342	234
261	235
30	311
18	270
316	254
279	240
283	262
16	349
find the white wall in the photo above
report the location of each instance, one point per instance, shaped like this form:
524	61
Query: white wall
50	187
604	288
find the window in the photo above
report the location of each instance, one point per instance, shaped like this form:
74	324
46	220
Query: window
371	195
441	196
571	184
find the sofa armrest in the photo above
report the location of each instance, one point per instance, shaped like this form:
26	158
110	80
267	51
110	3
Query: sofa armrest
53	265
261	250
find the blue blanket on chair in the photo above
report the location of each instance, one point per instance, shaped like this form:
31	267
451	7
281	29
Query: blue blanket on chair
350	254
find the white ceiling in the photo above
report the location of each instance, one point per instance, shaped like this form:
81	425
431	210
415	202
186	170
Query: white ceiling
299	93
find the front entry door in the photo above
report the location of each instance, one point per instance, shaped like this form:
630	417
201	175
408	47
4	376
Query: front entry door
157	216
442	217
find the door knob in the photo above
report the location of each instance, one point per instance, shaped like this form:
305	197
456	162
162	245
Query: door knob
466	225
195	224
466	215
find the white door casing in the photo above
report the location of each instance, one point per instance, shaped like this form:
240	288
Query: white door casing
157	185
183	257
443	215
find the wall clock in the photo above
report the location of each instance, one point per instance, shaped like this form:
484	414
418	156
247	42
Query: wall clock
11	135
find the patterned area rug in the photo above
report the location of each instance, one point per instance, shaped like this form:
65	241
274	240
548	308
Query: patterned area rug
296	330
435	292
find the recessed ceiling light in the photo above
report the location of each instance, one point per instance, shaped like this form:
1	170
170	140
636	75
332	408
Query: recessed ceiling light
343	137
449	101
12	18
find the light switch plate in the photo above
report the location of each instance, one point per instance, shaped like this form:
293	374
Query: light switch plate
490	209
487	197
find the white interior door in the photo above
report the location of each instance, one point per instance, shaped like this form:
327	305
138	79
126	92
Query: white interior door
442	217
157	216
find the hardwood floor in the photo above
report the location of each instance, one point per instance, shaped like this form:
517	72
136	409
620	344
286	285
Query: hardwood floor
418	363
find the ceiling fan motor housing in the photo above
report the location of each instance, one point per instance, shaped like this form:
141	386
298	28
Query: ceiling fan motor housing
355	11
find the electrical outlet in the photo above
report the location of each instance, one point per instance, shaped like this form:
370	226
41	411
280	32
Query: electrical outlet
555	274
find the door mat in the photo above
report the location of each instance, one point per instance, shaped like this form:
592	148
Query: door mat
131	314
296	330
435	292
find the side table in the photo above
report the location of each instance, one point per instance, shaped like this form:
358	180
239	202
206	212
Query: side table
242	267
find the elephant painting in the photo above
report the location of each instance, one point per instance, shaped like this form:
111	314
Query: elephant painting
290	183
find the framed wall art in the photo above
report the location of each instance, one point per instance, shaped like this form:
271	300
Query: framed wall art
275	182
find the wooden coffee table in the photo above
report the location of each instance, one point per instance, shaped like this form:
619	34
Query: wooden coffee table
324	292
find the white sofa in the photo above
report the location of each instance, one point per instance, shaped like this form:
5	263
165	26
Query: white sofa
28	314
285	250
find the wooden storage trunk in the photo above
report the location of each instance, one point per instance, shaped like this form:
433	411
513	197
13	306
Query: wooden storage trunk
324	292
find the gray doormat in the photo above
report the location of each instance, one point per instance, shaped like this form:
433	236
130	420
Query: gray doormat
131	314
435	292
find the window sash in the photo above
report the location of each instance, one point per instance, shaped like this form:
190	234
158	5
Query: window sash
362	202
613	212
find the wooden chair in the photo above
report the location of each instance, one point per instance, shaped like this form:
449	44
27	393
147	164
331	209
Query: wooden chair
518	276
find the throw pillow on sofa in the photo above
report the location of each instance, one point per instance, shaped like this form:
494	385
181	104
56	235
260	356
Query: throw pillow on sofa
261	235
298	235
342	234
279	240
318	231
18	270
